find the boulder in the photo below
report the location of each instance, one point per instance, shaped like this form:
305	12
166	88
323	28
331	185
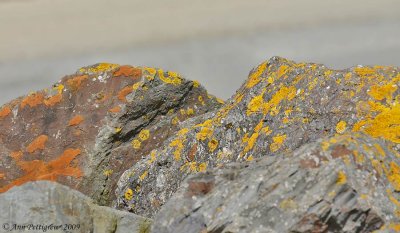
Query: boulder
87	129
345	183
45	206
280	107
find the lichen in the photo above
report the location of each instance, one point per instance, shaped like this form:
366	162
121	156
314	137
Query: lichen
341	178
144	135
341	127
277	142
136	144
37	144
76	120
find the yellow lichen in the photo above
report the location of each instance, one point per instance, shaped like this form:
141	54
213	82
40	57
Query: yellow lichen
108	172
196	83
382	92
202	167
144	135
101	67
206	131
128	194
201	100
175	120
277	142
136	144
144	175
172	78
385	124
254	78
250	158
341	127
190	112
212	145
394	176
266	131
136	86
341	178
251	142
152	157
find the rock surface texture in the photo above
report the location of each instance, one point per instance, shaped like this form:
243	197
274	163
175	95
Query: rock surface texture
44	206
347	183
298	148
92	126
280	107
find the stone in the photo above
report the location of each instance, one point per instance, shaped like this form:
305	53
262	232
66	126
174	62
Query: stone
345	183
91	126
282	106
44	206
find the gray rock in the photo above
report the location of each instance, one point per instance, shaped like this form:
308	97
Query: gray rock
347	183
281	106
48	205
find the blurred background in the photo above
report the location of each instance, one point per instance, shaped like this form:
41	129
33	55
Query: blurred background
214	41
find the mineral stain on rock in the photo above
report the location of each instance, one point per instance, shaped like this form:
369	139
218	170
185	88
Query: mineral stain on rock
298	148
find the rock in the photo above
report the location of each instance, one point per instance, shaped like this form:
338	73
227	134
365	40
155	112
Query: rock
346	183
44	206
90	127
280	107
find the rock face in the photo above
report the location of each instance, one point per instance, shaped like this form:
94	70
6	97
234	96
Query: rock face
45	206
92	126
298	148
281	106
347	183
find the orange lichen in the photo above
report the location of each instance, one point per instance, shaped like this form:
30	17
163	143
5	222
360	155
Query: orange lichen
341	127
124	92
5	111
115	109
76	120
53	100
37	144
16	155
128	71
2	175
32	100
250	158
76	82
41	170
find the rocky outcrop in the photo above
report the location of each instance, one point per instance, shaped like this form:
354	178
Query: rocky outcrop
280	107
346	183
45	206
298	148
90	127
